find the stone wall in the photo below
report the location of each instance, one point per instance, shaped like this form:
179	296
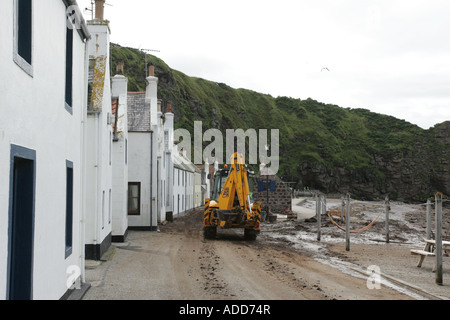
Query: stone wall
279	196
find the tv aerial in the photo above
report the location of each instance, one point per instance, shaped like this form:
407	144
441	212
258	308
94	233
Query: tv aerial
146	61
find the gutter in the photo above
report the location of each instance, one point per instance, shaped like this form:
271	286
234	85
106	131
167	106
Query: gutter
83	30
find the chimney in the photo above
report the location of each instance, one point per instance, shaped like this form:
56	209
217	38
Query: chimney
169	106
151	70
159	105
119	67
99	9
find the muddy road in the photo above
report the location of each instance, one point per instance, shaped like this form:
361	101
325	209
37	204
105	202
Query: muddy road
177	263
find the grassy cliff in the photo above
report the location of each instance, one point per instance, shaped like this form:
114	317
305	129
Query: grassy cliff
322	146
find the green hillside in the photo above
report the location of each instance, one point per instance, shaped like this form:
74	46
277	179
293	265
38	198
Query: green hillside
322	146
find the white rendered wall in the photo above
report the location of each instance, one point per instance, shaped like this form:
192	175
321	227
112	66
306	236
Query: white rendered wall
34	116
139	171
120	160
99	149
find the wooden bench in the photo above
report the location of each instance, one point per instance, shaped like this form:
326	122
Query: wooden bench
428	251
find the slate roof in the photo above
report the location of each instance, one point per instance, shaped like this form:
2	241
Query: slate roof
138	112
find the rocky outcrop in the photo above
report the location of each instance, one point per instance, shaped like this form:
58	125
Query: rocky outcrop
411	175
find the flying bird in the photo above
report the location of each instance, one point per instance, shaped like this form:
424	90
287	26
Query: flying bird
324	69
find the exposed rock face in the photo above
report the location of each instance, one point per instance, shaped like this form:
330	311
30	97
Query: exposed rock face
440	172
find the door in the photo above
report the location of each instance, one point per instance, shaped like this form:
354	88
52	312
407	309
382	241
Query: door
21	223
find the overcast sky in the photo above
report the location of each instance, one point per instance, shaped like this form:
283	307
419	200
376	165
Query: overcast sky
388	56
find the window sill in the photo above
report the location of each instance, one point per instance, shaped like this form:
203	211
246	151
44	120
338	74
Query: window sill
25	66
68	252
69	109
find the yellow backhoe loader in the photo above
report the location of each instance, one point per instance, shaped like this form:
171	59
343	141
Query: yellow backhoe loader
231	203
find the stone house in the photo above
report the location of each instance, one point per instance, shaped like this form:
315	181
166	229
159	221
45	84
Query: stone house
268	188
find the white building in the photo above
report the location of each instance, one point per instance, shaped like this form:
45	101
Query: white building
43	105
120	158
183	182
100	122
142	157
168	160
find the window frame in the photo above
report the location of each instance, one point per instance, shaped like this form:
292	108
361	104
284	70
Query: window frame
26	66
19	152
138	211
68	74
69	209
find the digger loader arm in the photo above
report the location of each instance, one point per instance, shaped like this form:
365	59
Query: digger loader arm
236	185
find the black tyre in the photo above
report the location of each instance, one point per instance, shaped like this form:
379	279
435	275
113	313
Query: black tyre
209	232
250	234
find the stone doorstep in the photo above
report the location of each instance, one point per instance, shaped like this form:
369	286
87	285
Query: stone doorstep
78	294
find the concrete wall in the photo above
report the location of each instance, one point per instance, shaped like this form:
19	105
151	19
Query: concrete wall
34	116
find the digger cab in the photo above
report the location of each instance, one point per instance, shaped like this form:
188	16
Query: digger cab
220	177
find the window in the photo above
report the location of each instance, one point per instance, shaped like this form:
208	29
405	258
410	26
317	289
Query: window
90	82
110	207
69	68
126	151
134	198
103	209
110	146
23	35
21	223
69	207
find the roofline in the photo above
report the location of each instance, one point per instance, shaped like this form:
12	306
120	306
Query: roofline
83	30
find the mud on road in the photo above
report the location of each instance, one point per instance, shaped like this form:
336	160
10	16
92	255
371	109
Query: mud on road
178	263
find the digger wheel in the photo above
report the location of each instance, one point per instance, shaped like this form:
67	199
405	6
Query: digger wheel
250	234
209	232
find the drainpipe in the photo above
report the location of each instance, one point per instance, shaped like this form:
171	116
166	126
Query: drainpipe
97	175
151	180
83	177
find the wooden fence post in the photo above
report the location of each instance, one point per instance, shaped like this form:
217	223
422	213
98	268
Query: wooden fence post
318	215
438	217
347	224
387	208
428	219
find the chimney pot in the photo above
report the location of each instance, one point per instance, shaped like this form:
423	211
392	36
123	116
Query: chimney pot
169	106
159	105
119	66
151	70
99	9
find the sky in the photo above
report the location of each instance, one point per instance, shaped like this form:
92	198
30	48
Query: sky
388	56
